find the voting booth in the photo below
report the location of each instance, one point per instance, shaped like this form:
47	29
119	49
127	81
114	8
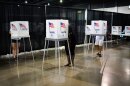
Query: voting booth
57	29
88	29
116	30
127	30
99	27
18	30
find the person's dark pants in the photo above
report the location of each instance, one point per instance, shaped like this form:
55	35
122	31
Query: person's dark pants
72	52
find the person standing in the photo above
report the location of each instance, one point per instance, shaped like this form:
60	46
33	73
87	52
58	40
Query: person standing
15	45
99	45
72	44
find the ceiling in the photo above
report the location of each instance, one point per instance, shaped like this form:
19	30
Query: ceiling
72	3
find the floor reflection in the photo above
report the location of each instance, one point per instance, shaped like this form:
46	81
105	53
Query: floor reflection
86	71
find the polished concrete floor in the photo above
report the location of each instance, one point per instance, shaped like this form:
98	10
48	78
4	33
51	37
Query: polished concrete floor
86	71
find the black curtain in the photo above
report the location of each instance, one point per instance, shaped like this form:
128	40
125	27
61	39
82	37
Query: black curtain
37	22
35	16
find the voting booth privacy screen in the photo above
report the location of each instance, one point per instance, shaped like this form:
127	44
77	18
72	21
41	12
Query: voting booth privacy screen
88	29
19	29
99	27
116	30
56	29
127	30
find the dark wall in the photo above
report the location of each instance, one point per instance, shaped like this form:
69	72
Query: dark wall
34	15
37	17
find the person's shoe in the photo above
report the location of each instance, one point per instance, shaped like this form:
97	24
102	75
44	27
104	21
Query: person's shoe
97	53
100	55
67	65
71	65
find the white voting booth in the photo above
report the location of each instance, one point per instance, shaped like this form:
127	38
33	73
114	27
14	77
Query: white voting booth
56	30
88	30
97	28
100	29
116	30
127	30
18	30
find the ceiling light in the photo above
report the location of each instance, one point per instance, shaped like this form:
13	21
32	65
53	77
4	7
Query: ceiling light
48	4
26	2
129	6
61	1
18	5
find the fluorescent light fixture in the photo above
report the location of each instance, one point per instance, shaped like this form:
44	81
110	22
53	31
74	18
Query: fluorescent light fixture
79	11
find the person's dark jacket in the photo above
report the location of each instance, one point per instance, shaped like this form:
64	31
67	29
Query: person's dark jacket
72	42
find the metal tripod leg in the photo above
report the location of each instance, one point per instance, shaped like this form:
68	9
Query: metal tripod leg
31	49
56	52
85	45
10	51
17	46
24	49
59	58
44	54
106	41
92	46
88	43
47	46
69	52
111	40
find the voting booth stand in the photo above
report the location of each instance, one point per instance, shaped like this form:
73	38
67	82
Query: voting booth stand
87	38
126	31
56	30
116	31
97	28
18	30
